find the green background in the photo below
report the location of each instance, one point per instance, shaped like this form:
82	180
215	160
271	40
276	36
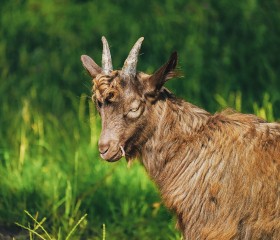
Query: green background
49	165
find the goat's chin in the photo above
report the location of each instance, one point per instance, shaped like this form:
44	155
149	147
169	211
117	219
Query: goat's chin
111	156
113	159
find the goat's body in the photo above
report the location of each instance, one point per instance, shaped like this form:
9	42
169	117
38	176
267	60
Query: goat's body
219	173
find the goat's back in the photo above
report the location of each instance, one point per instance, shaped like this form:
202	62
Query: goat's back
248	172
228	187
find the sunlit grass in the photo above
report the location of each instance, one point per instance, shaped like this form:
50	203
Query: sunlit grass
45	235
49	165
234	100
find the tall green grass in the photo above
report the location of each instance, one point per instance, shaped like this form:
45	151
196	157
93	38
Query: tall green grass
265	110
49	166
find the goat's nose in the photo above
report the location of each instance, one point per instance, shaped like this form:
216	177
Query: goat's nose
103	147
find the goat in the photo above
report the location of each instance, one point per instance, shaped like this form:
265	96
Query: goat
219	173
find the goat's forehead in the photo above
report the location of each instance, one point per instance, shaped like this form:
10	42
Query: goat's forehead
114	87
106	86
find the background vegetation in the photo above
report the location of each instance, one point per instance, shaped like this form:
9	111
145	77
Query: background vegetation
49	165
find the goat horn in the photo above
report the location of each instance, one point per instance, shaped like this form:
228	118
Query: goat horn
107	66
130	64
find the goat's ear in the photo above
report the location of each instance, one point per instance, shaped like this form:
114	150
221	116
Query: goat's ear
90	65
163	74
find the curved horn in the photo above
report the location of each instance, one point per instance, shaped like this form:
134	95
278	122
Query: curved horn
107	66
130	64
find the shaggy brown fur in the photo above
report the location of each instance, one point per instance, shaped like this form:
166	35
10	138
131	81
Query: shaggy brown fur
219	173
106	87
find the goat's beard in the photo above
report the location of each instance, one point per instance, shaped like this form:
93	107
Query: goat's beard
132	147
130	153
128	159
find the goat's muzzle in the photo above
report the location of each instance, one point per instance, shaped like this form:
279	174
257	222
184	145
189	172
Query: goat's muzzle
111	151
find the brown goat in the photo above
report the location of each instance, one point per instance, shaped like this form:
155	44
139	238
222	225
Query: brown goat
219	173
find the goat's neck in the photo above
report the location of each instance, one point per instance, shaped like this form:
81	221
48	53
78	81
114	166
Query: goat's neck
175	120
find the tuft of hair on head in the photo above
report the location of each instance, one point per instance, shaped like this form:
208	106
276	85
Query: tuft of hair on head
106	87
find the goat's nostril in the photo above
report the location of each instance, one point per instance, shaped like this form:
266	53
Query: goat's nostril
103	148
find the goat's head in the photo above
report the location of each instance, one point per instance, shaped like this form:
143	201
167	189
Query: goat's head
124	100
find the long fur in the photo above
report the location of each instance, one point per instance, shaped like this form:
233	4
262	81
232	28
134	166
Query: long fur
219	173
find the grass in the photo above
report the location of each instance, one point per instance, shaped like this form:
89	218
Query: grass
39	226
50	167
50	170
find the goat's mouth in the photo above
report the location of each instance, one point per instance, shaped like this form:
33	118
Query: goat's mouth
113	155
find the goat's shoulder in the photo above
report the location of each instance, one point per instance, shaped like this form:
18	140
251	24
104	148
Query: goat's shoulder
248	130
233	119
234	116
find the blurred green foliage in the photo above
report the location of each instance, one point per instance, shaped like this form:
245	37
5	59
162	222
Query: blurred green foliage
223	46
229	56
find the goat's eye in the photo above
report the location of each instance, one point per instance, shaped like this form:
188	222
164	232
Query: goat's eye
135	110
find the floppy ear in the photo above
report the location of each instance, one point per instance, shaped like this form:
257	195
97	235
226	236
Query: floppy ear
92	68
163	74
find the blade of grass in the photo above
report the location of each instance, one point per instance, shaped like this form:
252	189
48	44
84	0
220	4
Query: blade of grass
39	224
30	233
74	228
103	231
31	230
